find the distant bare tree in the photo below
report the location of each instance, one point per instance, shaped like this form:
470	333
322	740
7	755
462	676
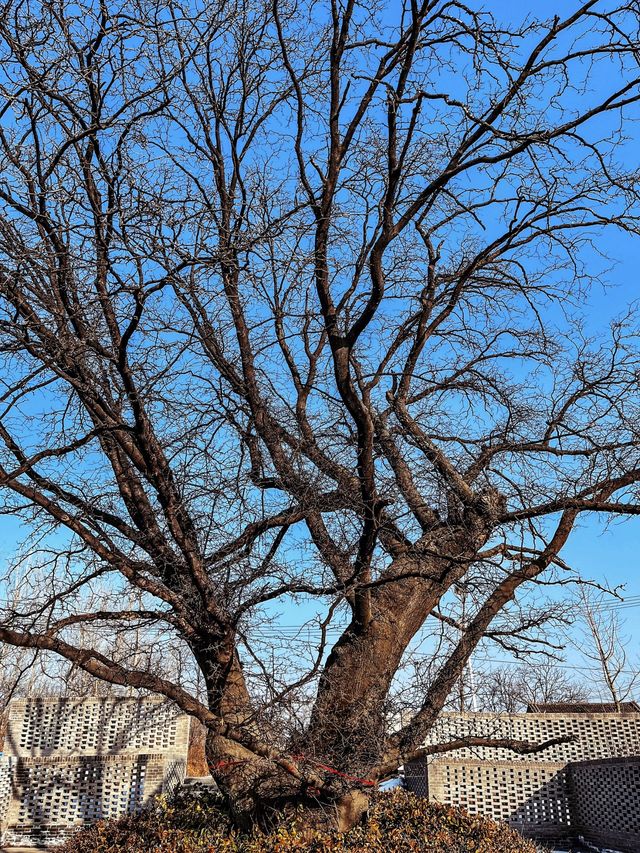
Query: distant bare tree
290	304
604	642
513	688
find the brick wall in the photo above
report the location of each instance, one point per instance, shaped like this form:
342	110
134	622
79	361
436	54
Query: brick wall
541	795
72	762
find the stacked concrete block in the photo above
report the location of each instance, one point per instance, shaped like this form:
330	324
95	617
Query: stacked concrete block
71	762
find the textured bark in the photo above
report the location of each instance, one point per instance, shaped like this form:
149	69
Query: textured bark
348	725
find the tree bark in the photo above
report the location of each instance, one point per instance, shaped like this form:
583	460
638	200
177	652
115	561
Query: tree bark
348	723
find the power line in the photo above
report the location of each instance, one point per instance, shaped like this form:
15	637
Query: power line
573	667
623	604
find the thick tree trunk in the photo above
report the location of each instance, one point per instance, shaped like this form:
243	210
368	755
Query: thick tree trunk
347	730
256	788
258	792
250	784
348	723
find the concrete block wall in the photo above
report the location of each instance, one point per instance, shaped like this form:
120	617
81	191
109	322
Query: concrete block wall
74	727
5	785
548	795
605	796
73	762
594	735
530	796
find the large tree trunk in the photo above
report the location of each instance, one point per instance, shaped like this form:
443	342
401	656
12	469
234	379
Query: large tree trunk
346	737
252	785
258	789
259	792
348	724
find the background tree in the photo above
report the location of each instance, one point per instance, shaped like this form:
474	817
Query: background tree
604	642
290	299
513	688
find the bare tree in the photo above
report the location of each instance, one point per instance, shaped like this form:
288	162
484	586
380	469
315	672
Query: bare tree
290	298
604	642
513	688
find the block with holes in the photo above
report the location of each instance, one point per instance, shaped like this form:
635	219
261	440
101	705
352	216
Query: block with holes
572	788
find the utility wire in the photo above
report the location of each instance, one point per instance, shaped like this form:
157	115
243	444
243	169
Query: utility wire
572	667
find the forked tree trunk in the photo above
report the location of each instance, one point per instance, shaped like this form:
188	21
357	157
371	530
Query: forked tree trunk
346	735
259	793
348	723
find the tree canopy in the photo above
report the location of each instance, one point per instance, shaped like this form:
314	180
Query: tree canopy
292	301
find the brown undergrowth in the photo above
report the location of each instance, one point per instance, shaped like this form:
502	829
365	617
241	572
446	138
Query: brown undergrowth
397	823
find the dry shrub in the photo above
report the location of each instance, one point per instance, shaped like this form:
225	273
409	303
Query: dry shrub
398	823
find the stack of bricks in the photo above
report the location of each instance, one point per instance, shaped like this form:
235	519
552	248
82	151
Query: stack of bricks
68	763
